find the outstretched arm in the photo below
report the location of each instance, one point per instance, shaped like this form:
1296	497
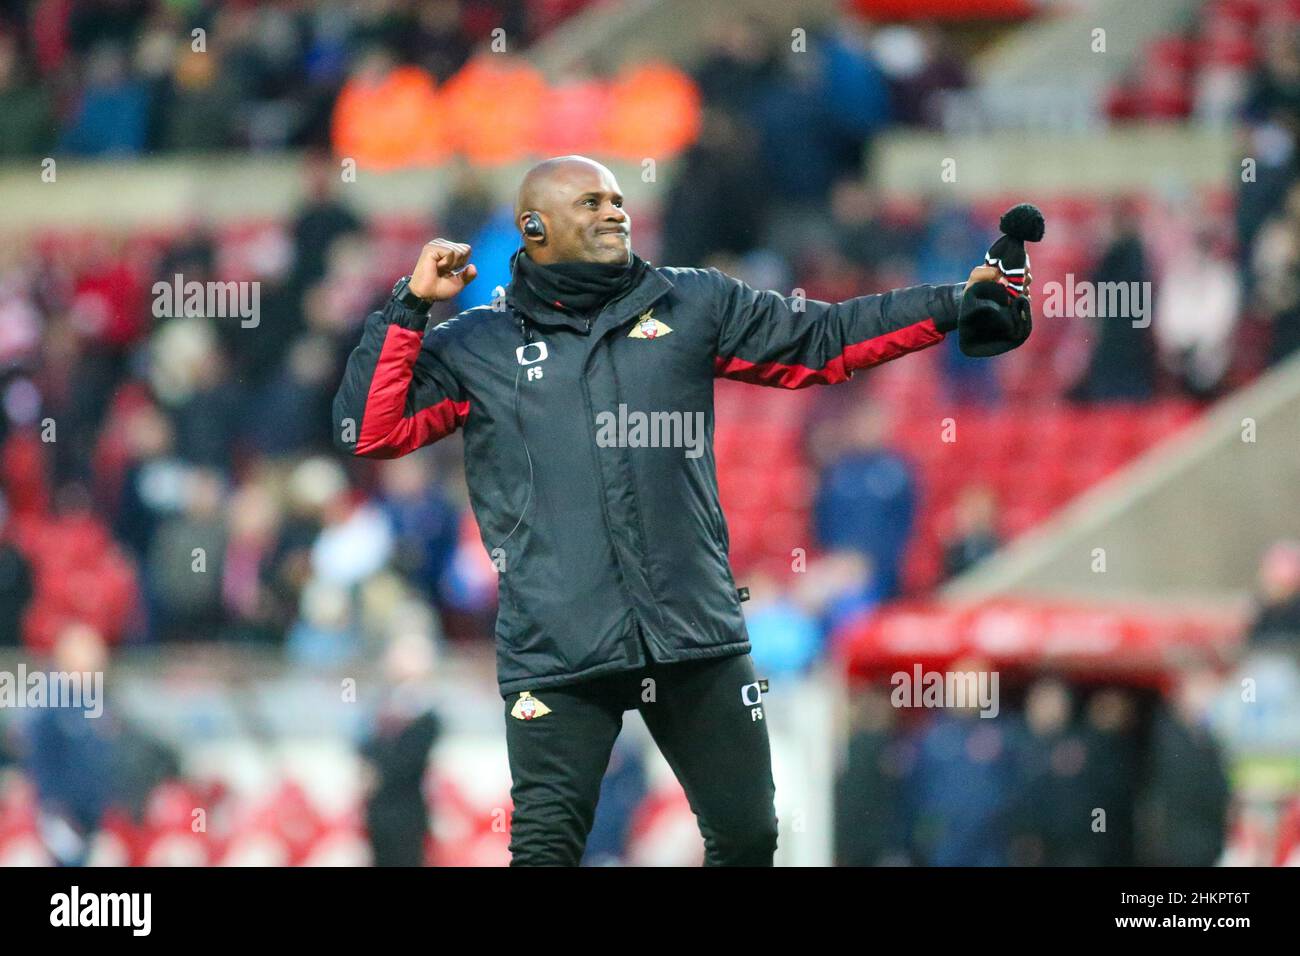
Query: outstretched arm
788	342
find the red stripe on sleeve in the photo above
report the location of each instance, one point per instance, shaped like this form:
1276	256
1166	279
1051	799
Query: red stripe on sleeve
385	430
874	351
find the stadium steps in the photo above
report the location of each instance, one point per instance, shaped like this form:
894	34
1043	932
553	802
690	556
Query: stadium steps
1187	521
671	30
1023	69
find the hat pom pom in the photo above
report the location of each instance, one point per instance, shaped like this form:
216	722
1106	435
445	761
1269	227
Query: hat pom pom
1023	222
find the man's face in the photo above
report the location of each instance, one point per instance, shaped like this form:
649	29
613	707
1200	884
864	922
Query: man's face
585	220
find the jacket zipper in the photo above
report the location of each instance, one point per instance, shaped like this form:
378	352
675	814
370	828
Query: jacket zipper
604	509
636	496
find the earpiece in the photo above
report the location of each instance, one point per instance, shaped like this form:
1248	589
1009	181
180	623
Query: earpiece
534	228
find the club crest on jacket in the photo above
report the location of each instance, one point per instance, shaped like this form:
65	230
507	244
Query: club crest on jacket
648	327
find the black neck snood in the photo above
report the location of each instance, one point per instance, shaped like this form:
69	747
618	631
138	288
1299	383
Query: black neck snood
579	287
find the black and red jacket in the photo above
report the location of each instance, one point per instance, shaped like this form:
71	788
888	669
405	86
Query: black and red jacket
593	539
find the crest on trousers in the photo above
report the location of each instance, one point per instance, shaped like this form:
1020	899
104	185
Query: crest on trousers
648	327
528	707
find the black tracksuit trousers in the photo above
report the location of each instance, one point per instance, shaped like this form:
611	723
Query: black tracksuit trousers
708	721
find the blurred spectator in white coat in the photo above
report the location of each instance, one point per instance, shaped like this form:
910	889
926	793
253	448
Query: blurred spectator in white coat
1196	314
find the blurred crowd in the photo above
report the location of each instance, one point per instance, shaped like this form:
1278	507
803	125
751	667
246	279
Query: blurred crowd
1068	775
393	82
200	434
1080	771
136	77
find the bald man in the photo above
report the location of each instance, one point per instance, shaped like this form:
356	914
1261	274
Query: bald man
585	396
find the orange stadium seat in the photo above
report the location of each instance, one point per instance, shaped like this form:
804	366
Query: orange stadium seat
493	109
654	112
390	122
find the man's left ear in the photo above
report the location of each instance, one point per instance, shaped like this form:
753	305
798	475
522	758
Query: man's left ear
534	228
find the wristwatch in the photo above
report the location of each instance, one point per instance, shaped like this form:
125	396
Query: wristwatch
409	300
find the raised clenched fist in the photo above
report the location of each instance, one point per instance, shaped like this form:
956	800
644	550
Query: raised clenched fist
442	271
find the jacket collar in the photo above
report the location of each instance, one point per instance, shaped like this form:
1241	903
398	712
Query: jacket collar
651	287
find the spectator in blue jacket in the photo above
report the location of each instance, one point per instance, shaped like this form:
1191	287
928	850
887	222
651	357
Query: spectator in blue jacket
113	117
71	752
866	500
425	522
